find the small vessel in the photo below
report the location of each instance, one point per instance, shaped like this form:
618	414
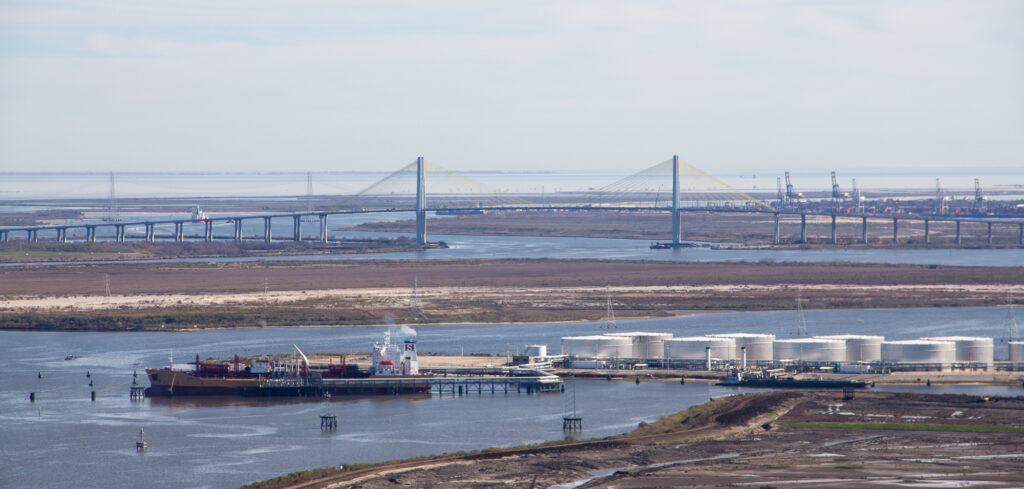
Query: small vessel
759	378
199	215
70	356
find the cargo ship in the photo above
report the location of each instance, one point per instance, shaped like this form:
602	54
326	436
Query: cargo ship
760	379
394	369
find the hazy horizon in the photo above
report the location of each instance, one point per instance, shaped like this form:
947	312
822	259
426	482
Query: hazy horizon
317	85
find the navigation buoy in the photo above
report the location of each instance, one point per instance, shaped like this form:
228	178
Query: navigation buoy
88	374
93	395
31	397
638	380
682	380
40	375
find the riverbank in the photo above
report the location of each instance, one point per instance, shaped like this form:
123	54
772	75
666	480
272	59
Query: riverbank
758	439
22	252
236	295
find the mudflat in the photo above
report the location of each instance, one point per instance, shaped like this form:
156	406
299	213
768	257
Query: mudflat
161	296
777	439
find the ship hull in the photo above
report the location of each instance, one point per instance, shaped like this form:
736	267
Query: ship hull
172	383
797	384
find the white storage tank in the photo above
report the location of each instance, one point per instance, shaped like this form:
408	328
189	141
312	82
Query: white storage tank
759	346
1016	354
645	344
860	348
694	348
598	346
809	350
536	350
973	349
919	351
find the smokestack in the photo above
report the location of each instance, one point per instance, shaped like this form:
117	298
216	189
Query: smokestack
707	358
743	362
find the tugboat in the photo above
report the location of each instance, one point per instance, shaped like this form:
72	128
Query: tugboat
759	378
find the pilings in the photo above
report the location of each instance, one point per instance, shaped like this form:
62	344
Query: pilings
328	422
1020	234
676	231
421	203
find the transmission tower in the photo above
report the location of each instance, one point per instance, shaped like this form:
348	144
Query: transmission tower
112	212
801	323
414	304
1011	324
609	316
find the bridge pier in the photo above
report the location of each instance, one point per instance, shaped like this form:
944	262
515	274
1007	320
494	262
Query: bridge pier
803	227
927	239
3	236
267	236
62	235
1020	235
297	228
834	240
777	238
958	233
990	234
179	231
895	230
421	201
208	230
150	232
238	229
323	228
864	230
90	234
33	235
119	233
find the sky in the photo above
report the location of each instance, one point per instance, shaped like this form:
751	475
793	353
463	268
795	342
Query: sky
351	85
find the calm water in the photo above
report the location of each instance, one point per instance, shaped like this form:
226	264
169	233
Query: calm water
64	440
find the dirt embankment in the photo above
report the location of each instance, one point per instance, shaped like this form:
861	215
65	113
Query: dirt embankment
815	439
340	293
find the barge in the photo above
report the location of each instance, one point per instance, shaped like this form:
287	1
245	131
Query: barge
760	379
394	370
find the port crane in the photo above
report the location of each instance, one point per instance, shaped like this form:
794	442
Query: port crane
940	198
790	194
979	195
779	196
836	193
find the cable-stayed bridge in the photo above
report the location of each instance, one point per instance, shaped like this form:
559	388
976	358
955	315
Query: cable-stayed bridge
672	186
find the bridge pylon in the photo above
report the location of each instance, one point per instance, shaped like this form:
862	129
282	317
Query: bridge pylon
676	231
421	204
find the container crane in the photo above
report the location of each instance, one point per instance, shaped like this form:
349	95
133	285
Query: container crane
790	194
836	193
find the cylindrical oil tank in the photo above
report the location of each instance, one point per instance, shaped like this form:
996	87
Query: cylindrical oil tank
759	346
810	350
972	349
1016	354
645	344
598	346
919	351
694	348
860	348
536	350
